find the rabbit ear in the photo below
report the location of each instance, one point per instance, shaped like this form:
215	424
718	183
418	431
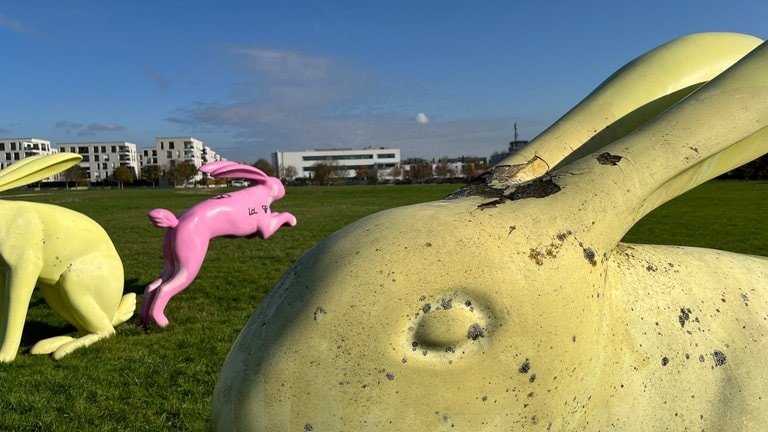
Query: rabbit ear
718	127
629	98
34	168
228	169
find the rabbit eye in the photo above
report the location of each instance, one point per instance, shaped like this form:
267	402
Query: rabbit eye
447	327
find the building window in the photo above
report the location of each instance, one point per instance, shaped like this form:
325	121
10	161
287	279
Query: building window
2	146
13	146
170	145
103	149
82	150
169	154
114	149
96	157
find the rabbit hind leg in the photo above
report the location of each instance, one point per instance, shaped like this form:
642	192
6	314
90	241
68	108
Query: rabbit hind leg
88	301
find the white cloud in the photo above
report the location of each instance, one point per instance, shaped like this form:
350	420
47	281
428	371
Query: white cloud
14	25
288	100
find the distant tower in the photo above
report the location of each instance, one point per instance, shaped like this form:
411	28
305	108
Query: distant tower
517	144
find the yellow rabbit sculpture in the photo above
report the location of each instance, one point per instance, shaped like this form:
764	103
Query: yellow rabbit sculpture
514	304
67	255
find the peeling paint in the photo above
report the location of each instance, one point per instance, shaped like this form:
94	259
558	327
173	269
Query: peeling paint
538	188
606	158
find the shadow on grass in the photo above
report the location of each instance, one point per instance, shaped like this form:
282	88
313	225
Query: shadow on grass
35	331
134	286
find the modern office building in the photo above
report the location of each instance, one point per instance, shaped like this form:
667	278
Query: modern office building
101	158
346	163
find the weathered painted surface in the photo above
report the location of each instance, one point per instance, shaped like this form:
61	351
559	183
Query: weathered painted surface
514	305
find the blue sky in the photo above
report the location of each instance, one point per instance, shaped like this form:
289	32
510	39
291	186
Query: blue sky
433	78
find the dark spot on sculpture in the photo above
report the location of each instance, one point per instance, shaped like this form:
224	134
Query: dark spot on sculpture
664	361
744	297
319	313
719	357
492	204
701	358
606	158
685	315
485	398
475	332
308	427
390	376
446	303
536	256
589	255
532	378
525	367
480	185
426	308
449	349
404	360
538	188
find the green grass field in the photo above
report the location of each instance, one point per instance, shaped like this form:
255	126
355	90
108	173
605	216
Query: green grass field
162	379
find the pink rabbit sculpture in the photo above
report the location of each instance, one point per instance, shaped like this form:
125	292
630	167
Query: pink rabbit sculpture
242	213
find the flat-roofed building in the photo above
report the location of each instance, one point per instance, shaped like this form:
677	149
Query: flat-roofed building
380	163
101	158
15	149
169	151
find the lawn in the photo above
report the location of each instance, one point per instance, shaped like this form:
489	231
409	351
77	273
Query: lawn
152	379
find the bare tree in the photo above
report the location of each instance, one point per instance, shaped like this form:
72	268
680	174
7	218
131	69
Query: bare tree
291	172
75	174
322	172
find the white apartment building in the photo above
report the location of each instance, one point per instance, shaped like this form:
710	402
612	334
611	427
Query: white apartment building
346	162
15	149
101	158
168	151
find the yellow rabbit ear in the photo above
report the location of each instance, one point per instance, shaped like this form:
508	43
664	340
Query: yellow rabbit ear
716	128
34	168
633	95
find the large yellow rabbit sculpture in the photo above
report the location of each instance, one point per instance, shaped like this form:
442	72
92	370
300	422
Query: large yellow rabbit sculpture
514	305
67	255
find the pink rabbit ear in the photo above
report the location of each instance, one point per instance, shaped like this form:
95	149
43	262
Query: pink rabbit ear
211	167
231	170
